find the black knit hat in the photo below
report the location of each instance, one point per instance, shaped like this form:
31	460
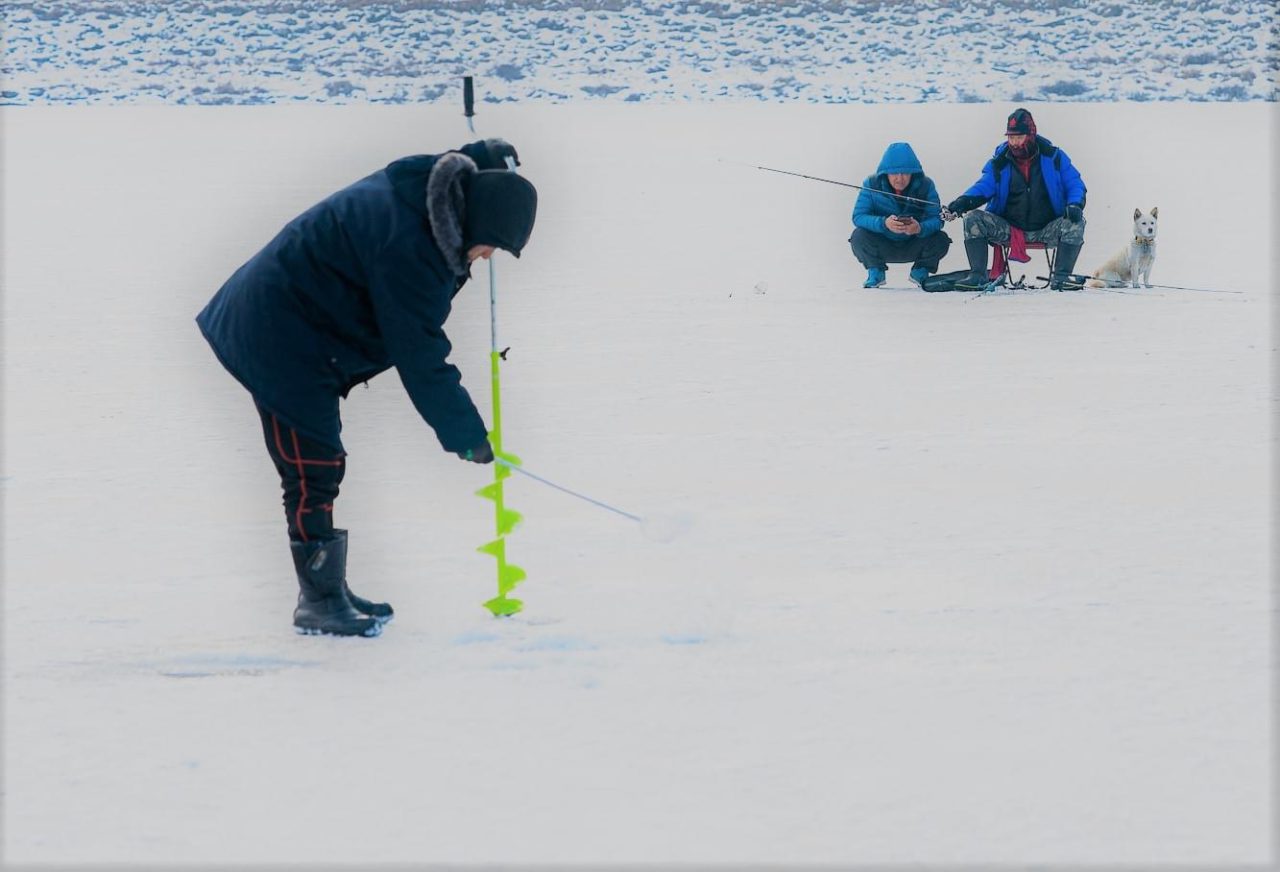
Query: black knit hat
501	207
1020	121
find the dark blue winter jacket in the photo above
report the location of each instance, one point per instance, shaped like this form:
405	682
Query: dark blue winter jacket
877	201
1061	178
351	287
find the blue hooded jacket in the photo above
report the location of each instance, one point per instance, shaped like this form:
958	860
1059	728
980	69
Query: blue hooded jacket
877	201
351	287
1061	178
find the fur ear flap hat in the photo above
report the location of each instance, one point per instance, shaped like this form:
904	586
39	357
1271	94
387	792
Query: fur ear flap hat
467	206
447	206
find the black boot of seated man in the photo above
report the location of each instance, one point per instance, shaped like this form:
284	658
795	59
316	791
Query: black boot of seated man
323	606
1064	265
976	251
382	611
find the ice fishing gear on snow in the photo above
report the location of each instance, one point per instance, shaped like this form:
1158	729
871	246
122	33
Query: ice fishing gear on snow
1076	282
944	282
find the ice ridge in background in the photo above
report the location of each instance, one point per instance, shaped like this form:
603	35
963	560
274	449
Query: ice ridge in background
622	50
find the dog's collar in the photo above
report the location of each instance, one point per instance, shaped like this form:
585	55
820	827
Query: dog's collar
1144	240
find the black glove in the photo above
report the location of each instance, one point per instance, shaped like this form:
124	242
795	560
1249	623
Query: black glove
482	453
498	150
1075	213
960	205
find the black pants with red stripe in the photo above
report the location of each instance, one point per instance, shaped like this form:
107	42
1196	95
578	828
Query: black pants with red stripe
310	473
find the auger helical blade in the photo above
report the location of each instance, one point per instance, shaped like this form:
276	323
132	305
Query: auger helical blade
503	470
505	520
508	520
509	575
497	548
502	607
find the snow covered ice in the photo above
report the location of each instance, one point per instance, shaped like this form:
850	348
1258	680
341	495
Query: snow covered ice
954	580
268	51
995	569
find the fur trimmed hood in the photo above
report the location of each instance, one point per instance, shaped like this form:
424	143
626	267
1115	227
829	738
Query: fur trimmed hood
447	207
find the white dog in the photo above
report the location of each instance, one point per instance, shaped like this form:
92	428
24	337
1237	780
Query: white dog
1132	261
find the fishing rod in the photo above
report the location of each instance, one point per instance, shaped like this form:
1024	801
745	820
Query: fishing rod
830	181
1084	279
520	469
657	528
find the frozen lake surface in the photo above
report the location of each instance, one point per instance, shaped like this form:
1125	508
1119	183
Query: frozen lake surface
966	580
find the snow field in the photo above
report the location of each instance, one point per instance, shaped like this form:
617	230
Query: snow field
993	571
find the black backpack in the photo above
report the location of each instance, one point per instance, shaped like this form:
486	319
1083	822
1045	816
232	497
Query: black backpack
944	281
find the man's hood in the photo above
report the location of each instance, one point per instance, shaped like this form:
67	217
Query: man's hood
899	158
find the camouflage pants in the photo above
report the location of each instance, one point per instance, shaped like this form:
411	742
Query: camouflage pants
981	224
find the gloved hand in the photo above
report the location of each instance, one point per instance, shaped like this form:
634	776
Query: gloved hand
1074	213
960	205
498	150
482	453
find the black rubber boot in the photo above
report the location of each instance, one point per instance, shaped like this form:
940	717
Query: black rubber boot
1064	265
323	606
381	611
976	251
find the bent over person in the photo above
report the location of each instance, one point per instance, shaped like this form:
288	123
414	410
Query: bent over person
1033	193
358	283
897	219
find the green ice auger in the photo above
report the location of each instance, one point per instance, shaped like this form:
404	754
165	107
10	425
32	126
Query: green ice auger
505	520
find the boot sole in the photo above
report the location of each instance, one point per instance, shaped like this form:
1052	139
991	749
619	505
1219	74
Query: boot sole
375	629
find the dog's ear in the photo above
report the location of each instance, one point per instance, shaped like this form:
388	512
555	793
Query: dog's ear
1137	213
1155	211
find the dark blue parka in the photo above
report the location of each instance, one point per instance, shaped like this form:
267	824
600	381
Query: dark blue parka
1061	178
877	200
351	287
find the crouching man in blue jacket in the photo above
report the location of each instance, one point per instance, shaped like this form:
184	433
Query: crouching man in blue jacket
359	283
897	219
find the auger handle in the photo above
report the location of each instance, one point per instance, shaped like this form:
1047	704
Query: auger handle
469	102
